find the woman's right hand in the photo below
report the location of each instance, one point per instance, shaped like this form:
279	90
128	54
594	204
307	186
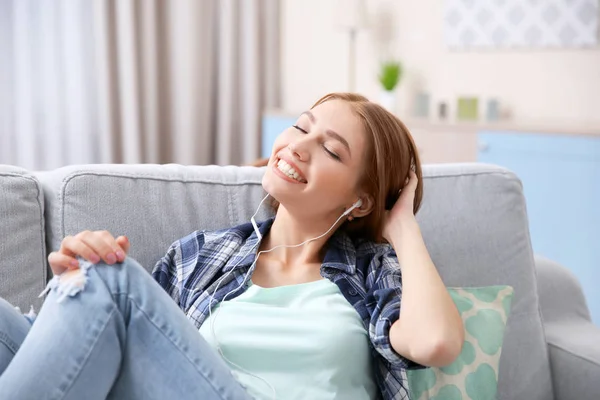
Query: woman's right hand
90	245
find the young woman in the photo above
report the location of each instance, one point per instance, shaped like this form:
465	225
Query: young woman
340	317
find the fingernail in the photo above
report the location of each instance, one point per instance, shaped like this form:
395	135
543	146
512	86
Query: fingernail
74	263
120	255
111	258
94	258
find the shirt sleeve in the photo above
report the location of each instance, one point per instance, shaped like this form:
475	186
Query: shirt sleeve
174	268
385	295
165	273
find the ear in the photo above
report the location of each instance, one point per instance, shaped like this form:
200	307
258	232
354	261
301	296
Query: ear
366	207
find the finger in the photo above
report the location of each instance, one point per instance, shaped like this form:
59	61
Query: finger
118	253
103	244
74	246
123	242
116	249
60	262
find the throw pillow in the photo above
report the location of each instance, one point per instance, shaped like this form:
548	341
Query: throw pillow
474	374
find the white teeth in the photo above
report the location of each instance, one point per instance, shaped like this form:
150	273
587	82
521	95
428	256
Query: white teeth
288	170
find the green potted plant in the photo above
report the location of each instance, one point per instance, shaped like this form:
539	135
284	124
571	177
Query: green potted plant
389	76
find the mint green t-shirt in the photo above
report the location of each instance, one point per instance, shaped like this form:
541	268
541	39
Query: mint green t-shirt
306	340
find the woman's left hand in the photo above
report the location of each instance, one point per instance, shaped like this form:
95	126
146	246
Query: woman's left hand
402	211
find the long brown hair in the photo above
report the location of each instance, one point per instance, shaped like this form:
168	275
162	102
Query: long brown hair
390	154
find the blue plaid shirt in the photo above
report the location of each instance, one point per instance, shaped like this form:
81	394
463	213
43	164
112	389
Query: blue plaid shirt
367	274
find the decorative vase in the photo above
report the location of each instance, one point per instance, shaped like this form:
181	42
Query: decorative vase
387	99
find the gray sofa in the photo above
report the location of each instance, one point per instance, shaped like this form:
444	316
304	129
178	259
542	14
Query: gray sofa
473	219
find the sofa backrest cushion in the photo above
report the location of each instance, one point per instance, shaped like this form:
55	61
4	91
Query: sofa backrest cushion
153	205
23	271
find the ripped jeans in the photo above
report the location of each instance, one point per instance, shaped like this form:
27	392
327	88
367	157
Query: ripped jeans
120	337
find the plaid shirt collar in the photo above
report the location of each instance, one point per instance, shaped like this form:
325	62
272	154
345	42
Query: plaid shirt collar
341	253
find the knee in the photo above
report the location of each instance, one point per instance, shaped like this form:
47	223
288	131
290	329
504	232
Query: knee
129	267
6	309
127	271
117	277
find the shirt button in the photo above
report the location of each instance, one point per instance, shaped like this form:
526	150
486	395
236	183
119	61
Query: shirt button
352	292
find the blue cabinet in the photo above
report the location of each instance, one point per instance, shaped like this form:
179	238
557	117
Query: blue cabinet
561	182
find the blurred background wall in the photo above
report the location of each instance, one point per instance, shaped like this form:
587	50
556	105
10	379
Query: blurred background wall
189	81
536	84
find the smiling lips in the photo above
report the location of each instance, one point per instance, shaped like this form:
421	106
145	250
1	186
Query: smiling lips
289	171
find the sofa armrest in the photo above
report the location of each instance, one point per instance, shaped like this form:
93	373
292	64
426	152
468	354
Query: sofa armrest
574	351
573	341
561	296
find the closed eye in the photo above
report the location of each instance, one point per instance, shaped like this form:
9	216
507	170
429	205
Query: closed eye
329	152
332	154
300	129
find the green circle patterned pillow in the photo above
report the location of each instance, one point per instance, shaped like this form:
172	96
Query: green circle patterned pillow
474	374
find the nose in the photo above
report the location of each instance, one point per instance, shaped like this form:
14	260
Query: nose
300	150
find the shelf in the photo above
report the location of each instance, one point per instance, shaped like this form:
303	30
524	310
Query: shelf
576	128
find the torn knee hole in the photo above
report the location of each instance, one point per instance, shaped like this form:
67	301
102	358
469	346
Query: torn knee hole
70	282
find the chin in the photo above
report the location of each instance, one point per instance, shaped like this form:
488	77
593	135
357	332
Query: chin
270	187
277	192
267	180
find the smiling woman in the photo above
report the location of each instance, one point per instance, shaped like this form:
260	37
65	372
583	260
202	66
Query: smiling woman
362	147
333	298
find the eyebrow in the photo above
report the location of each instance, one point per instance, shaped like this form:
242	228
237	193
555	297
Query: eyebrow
310	115
329	132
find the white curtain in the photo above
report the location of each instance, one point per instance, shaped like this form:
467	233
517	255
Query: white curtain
135	81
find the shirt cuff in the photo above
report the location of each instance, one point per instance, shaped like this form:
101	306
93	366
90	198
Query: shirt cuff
384	345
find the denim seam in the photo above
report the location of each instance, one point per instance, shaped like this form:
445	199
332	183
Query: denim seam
87	357
191	361
11	345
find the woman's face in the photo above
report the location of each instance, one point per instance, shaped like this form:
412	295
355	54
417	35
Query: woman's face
315	165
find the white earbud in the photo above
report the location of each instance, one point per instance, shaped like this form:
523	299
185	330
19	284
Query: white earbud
355	205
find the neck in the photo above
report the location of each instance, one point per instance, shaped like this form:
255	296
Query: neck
288	229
